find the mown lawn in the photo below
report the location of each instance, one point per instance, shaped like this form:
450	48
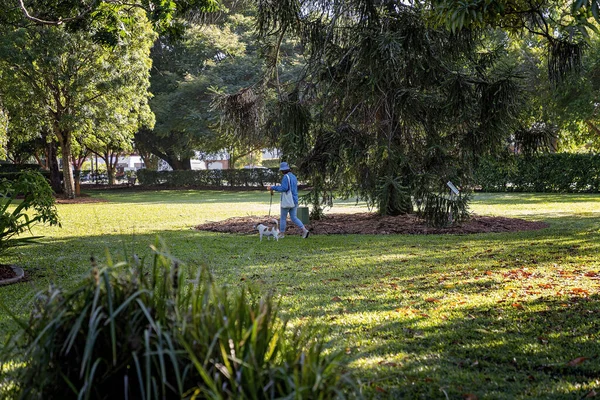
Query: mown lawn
488	316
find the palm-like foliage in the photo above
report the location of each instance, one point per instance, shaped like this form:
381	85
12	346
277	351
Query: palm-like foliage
17	217
137	331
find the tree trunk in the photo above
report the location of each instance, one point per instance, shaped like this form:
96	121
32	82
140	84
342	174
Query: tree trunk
150	160
55	180
110	172
232	159
68	181
184	164
77	179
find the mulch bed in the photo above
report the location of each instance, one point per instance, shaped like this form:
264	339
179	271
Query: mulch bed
373	224
6	272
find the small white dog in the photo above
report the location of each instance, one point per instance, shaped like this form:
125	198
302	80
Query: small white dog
264	230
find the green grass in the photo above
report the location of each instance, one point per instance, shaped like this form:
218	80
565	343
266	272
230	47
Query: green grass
498	316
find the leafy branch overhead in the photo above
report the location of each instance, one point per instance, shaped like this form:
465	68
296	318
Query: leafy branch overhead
83	14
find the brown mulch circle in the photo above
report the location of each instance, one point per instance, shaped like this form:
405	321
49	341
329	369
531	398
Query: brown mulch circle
373	224
6	272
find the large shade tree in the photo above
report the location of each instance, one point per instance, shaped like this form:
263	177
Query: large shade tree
389	108
217	54
63	37
71	83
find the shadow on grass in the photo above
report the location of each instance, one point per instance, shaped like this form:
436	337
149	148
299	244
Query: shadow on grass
534	198
492	350
182	196
549	349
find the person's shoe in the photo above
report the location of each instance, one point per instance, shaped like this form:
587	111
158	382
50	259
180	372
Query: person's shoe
305	233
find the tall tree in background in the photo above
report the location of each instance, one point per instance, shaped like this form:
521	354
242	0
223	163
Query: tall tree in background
217	54
556	115
576	103
71	83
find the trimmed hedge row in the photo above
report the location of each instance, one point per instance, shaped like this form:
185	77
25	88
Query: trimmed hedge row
12	172
558	172
212	177
11	168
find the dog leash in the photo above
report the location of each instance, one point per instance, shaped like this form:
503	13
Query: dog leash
270	203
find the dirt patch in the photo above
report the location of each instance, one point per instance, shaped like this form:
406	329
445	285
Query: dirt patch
373	224
81	199
6	272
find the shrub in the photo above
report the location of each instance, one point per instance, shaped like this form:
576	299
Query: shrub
137	332
556	172
12	168
212	177
440	210
16	217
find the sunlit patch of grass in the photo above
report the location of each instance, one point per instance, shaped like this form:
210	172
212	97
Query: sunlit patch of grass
493	315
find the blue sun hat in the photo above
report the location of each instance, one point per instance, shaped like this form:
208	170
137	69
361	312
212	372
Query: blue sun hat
284	166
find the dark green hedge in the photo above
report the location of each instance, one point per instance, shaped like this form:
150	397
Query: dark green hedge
560	172
212	177
8	168
12	171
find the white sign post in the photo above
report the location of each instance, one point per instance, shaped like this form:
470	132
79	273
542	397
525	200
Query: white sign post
453	192
452	188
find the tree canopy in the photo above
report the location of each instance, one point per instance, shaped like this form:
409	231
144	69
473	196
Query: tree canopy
73	86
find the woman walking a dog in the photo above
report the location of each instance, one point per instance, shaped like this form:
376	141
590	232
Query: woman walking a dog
289	188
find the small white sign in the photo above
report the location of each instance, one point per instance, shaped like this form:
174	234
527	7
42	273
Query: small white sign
452	187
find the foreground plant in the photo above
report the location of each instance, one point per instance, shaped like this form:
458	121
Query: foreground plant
37	206
135	332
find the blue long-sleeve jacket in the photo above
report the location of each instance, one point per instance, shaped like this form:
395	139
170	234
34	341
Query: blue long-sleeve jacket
284	186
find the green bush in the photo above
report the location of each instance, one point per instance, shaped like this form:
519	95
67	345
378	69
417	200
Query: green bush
151	332
10	168
557	172
18	216
441	210
212	177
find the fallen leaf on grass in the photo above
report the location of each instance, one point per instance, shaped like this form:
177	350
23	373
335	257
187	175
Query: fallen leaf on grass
546	285
577	361
380	389
566	274
432	300
591	394
470	396
517	305
580	291
591	274
336	298
543	340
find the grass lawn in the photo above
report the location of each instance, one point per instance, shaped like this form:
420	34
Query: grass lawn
488	316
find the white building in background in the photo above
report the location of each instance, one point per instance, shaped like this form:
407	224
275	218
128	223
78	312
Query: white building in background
219	160
131	162
271	154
